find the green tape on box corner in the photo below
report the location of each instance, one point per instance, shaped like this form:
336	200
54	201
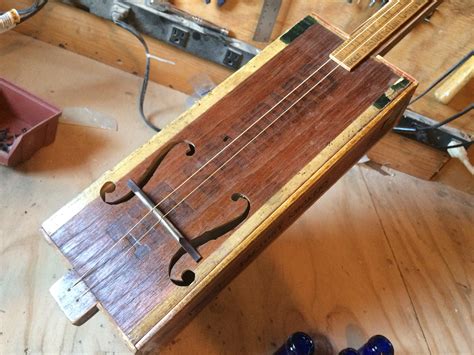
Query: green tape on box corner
298	29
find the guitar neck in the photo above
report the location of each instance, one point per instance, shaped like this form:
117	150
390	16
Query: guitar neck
382	30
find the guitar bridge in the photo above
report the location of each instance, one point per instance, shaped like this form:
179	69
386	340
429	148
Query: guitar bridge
165	222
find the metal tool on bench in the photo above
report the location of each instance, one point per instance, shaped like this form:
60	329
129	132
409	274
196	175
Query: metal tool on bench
267	20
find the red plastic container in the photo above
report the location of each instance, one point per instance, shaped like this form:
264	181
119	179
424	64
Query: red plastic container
27	123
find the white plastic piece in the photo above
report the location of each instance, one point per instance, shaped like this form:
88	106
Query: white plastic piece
84	116
461	154
158	59
9	20
202	85
363	160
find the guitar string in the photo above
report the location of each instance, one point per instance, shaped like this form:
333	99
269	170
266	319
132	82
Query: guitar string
215	172
159	221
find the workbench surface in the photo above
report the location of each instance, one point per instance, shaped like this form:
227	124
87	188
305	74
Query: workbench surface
378	254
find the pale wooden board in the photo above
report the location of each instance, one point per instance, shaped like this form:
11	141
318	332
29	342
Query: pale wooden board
454	174
332	272
430	228
424	165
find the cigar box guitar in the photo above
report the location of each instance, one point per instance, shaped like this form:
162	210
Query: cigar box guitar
160	234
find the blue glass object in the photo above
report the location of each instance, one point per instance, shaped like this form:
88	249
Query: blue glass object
377	345
298	343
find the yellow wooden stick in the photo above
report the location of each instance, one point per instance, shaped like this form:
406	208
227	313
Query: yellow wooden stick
455	82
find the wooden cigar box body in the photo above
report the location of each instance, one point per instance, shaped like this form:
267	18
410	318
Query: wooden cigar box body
282	165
